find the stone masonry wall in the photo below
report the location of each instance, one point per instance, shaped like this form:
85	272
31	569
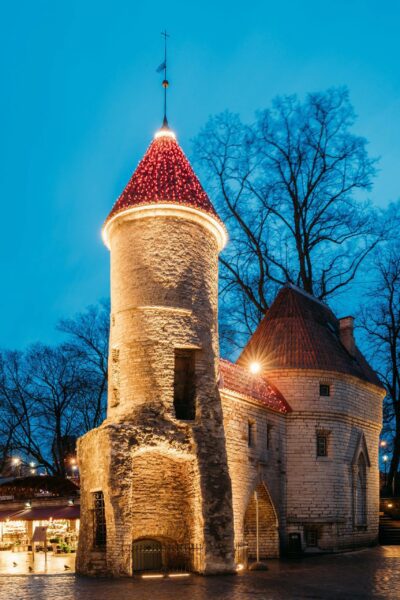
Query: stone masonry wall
263	463
164	280
320	489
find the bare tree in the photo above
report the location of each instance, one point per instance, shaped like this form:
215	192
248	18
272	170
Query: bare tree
288	187
381	322
88	335
40	394
49	395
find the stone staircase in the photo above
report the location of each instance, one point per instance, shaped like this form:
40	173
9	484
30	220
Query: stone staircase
389	530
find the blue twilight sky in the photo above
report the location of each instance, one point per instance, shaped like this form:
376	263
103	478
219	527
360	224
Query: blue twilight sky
80	101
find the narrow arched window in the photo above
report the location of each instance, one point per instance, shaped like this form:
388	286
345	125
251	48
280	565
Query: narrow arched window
361	492
99	520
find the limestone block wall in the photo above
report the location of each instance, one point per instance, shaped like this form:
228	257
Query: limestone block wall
320	490
164	296
263	463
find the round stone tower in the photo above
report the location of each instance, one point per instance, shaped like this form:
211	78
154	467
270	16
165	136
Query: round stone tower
156	469
332	431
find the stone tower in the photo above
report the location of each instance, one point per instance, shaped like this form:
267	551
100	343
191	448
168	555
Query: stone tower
332	431
156	469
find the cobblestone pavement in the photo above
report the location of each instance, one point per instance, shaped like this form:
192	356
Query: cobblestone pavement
372	573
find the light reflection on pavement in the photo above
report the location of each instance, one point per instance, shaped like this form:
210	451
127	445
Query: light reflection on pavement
366	574
22	563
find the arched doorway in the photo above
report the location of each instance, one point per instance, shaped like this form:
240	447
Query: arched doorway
260	522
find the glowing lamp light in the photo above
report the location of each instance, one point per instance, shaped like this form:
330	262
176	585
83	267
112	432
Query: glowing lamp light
383	443
16	461
31	464
240	567
390	505
28	504
33	471
74	467
385	457
164	133
255	368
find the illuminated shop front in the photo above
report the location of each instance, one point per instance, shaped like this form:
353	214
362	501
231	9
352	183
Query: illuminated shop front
30	503
62	523
17	526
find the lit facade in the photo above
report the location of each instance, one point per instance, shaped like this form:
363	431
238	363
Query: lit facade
196	451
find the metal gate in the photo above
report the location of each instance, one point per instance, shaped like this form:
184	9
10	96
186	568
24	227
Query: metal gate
155	556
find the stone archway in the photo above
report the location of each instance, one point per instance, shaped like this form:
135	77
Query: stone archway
165	501
267	525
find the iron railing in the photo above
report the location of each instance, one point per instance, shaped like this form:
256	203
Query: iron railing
153	556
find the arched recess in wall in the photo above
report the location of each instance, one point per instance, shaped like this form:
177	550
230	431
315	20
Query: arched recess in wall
360	488
360	465
166	502
268	533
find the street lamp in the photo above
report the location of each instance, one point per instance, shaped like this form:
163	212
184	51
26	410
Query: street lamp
385	459
255	368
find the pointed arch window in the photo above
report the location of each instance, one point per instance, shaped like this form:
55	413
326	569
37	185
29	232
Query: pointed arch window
360	492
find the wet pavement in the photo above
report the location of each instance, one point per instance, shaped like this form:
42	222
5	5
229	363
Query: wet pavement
371	573
23	563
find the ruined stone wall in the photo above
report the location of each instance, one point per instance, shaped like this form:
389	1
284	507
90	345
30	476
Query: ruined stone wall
250	466
320	490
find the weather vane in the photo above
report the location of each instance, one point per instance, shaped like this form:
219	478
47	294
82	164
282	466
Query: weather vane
165	83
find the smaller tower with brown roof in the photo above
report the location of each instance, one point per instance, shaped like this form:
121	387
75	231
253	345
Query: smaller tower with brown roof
332	431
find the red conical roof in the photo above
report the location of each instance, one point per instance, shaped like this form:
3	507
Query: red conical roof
164	175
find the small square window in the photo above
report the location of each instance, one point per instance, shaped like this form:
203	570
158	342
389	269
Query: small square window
185	385
311	537
269	435
324	389
322	444
251	434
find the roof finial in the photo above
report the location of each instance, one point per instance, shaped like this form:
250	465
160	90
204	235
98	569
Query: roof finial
165	83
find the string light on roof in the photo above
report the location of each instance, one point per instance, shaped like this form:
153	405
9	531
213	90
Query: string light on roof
164	175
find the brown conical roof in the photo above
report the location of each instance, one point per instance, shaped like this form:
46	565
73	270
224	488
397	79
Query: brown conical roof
300	332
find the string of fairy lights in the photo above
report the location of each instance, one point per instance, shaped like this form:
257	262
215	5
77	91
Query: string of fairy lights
164	175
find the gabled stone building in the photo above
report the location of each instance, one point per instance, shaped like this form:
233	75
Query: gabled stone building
199	451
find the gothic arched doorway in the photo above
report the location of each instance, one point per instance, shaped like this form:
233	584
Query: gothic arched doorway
261	523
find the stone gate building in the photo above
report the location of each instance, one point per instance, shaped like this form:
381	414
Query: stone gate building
198	450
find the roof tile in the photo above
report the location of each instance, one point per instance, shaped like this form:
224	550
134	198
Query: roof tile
300	332
235	378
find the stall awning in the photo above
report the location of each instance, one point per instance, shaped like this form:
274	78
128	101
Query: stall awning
41	513
7	514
